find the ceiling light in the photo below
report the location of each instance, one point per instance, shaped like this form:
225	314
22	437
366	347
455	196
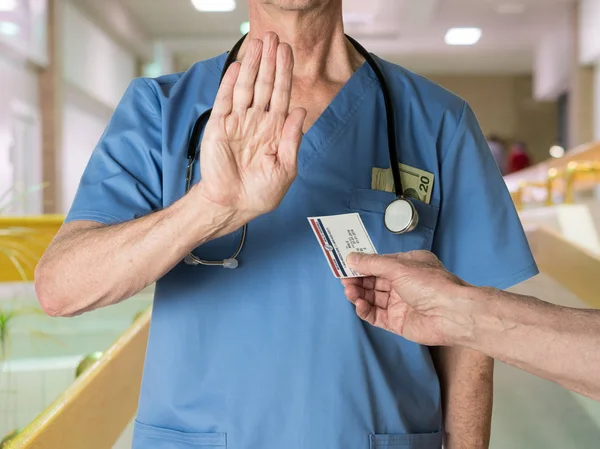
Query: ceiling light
8	5
245	27
9	28
214	5
463	36
557	151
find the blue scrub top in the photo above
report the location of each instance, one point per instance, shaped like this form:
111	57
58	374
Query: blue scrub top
272	355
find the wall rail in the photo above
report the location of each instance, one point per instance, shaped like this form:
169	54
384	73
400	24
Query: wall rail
95	409
577	269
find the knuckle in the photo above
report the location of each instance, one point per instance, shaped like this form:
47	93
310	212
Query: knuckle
264	81
255	44
242	84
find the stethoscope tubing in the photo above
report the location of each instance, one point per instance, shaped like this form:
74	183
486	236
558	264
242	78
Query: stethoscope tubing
200	124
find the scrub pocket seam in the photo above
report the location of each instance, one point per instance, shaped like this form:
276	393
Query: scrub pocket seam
196	438
406	441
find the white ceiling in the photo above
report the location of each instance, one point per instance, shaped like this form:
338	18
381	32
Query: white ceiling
410	32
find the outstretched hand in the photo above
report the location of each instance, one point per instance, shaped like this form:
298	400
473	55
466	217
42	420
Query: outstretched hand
250	147
409	294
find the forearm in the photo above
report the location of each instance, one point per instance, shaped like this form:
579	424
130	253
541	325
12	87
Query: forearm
466	379
557	343
94	267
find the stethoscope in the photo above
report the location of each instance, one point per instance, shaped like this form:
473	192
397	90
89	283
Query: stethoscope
400	215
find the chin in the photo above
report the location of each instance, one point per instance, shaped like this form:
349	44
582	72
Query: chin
298	5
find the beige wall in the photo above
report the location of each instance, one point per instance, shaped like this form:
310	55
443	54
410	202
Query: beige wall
504	106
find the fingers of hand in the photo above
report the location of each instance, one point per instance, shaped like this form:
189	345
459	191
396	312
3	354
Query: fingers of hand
365	311
375	297
373	265
371	314
280	101
244	88
376	283
224	101
354	293
352	281
266	73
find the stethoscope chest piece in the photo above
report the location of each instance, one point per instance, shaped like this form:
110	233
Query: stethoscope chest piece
401	216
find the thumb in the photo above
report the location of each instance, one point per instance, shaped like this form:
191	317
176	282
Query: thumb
373	265
291	137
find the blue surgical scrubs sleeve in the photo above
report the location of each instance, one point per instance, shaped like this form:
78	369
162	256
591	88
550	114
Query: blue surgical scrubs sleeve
479	236
122	180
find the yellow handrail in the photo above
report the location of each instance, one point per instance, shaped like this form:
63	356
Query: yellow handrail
558	176
577	171
569	181
547	186
95	409
576	269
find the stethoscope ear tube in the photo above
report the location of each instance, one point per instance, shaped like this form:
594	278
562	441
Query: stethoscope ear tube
400	215
389	115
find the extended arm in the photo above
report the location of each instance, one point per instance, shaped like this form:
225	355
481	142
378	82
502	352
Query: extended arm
415	296
558	343
89	265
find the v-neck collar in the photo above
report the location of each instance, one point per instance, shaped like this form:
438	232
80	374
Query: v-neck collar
330	125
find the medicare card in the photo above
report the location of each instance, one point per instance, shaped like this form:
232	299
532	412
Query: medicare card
340	235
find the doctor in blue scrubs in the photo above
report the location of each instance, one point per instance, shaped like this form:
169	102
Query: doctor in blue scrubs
270	355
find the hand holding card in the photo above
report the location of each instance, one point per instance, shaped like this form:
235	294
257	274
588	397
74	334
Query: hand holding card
338	236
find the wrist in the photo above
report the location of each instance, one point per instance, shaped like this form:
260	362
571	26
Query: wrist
473	308
210	220
461	310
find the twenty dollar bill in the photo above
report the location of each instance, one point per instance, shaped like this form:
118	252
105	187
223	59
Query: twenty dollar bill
416	183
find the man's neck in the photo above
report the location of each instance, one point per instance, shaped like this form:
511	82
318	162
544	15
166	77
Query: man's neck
321	51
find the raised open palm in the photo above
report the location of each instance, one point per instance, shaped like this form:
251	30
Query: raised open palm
250	147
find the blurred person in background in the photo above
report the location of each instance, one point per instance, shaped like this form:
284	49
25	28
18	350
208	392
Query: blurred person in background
413	295
251	357
518	159
498	149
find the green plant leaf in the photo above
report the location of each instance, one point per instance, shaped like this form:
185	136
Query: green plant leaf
7	315
24	251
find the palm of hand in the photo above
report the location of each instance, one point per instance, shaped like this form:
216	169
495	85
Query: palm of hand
243	166
250	147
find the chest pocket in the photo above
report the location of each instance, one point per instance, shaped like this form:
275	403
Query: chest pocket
371	205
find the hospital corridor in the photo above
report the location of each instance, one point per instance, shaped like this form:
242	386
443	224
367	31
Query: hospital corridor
183	184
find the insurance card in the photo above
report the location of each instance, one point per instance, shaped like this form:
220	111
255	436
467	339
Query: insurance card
338	236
